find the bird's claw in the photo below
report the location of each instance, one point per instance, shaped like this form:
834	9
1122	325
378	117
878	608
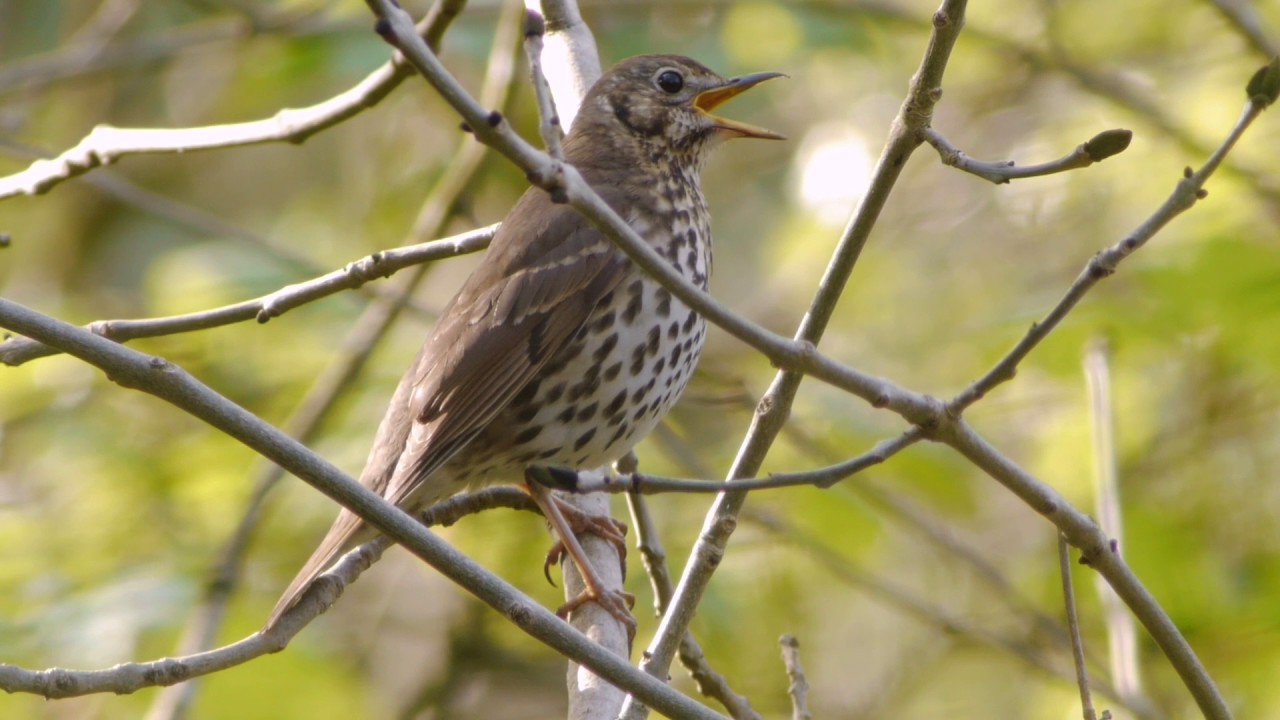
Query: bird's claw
615	602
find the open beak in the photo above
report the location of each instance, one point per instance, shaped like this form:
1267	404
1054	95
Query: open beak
708	100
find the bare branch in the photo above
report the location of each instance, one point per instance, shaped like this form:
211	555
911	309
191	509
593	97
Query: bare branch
105	144
797	685
774	407
709	682
548	121
1096	552
371	267
1098	148
567	480
1185	194
167	381
1073	624
341	373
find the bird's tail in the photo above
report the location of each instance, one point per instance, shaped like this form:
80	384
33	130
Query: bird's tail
348	531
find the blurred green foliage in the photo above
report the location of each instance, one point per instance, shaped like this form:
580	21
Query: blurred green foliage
113	505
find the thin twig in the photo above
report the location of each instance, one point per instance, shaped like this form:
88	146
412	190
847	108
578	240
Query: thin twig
158	377
548	121
589	696
1095	150
644	484
371	267
923	609
1073	624
340	374
797	685
654	557
775	406
1185	194
105	144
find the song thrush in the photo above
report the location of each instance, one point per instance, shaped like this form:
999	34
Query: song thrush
558	350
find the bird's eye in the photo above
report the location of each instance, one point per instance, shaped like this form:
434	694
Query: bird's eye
671	81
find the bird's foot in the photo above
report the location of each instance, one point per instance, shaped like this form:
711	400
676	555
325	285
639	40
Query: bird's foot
615	602
602	526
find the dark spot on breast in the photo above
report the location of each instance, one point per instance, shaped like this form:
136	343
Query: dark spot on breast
633	308
554	393
527	434
603	323
637	360
566	416
612	371
689	322
659	366
692	257
605	348
664	302
617	435
616	403
548	454
588	412
527	392
655	335
583	439
640	412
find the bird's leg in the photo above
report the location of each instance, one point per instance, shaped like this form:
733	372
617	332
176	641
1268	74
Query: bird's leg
617	603
602	526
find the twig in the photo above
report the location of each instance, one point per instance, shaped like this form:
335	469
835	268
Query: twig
1185	194
1096	552
371	267
356	348
1121	633
644	484
548	121
654	557
1073	624
1096	149
490	127
797	685
923	609
775	405
105	145
158	377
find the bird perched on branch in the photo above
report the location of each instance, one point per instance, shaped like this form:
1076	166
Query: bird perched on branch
558	350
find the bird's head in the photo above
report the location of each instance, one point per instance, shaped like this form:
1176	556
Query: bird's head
668	99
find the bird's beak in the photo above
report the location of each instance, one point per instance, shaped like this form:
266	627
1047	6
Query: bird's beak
708	100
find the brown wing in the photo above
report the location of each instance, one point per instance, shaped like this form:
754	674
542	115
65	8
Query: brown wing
545	271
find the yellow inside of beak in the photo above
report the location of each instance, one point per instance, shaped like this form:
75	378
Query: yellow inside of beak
708	100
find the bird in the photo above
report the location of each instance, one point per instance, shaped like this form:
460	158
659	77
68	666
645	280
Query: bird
558	350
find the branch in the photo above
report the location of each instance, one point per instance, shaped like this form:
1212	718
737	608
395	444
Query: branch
341	373
355	274
170	383
1101	266
1098	148
1096	552
105	144
775	406
1073	624
567	480
709	682
797	685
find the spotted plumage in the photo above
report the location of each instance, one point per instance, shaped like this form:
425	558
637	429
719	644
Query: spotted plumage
558	350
